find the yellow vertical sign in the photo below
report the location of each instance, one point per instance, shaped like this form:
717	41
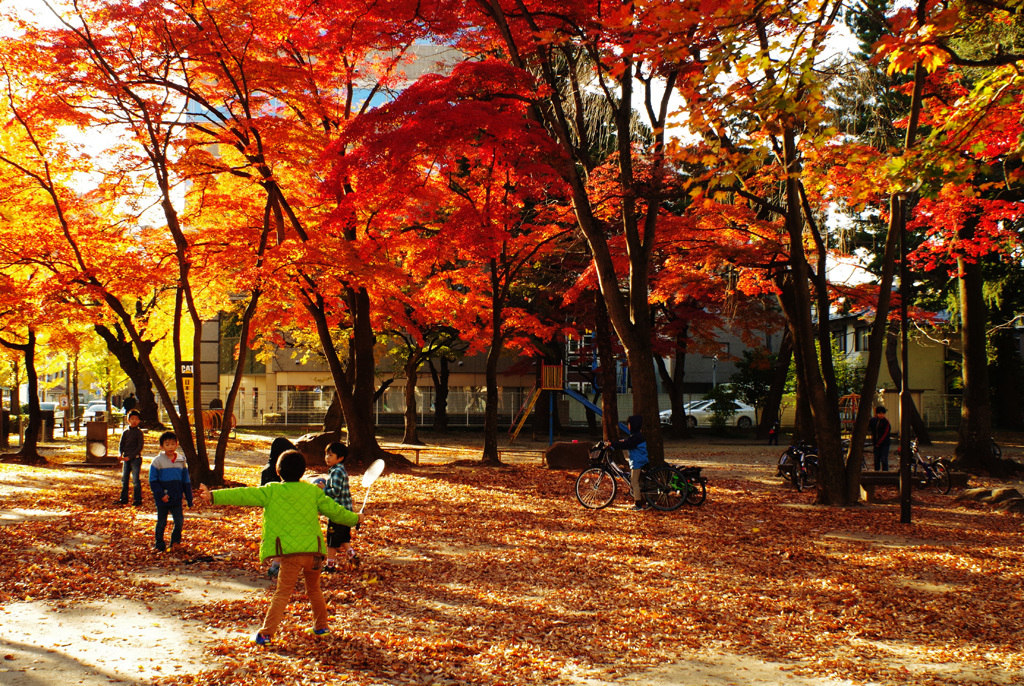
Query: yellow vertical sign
186	383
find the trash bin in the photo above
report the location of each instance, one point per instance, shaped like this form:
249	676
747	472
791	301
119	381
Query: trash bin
96	442
49	421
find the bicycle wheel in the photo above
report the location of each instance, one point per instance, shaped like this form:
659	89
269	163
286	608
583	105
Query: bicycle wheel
696	492
664	488
596	488
811	472
940	478
785	465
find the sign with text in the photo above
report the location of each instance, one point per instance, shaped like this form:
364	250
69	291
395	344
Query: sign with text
185	371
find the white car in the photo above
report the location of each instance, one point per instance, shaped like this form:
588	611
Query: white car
58	413
666	415
699	413
96	412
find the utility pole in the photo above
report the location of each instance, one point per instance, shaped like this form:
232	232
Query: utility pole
905	399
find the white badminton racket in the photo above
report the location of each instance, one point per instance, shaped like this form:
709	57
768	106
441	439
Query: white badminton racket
371	474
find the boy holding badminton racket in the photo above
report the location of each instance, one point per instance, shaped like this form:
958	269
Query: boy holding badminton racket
339	536
292	533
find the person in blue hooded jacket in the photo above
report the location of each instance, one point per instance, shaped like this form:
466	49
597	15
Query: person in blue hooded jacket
636	448
170	482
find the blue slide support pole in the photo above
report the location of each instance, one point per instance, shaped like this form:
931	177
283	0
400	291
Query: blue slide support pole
551	418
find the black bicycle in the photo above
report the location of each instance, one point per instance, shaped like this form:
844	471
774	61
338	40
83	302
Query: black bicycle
927	471
664	487
689	481
799	465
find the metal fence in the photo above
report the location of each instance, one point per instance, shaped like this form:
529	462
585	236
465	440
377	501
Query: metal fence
466	407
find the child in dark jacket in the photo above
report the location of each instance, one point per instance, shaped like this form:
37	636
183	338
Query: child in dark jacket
269	475
129	451
279	447
636	447
170	481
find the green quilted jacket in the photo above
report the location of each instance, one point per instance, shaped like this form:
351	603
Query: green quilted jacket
291	515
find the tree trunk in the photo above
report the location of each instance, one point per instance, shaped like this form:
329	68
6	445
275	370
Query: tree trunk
220	453
673	383
625	295
818	382
412	366
353	389
897	226
440	378
892	345
490	454
974	445
605	349
1007	378
780	373
29	451
645	398
74	396
121	347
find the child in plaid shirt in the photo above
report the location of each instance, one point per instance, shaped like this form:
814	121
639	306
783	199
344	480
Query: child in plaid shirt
339	536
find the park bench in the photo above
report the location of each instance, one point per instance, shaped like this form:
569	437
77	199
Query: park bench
415	449
870	480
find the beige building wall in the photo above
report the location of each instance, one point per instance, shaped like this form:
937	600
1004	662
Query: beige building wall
927	383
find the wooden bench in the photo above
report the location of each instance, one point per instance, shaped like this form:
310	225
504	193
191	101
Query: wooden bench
417	449
869	480
414	449
539	454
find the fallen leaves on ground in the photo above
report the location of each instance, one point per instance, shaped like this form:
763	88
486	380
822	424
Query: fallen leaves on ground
498	576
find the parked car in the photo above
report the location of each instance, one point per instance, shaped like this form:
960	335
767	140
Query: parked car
96	412
58	413
666	415
700	413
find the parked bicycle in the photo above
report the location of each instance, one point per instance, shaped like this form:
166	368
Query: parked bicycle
689	481
927	471
799	465
664	487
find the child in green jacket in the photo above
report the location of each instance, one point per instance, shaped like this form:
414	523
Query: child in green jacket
291	533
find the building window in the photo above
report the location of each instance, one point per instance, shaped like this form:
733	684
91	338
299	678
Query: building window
860	338
839	339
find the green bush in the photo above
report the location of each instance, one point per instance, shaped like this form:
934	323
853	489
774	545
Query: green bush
723	408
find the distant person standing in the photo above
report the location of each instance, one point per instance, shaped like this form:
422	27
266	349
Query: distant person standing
128	404
881	435
773	433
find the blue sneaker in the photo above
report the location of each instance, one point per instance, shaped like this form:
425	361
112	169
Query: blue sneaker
318	632
261	640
